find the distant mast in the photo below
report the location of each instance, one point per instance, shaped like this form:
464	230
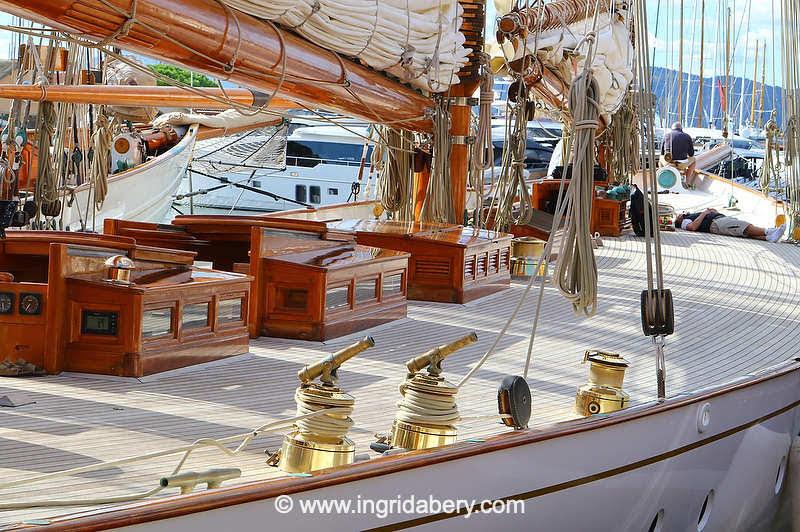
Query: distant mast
763	86
680	68
752	120
702	61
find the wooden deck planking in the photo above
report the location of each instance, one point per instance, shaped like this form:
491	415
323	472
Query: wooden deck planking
735	314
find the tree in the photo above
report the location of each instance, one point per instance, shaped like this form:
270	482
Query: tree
182	75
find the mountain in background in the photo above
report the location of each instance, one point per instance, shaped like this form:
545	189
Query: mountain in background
665	87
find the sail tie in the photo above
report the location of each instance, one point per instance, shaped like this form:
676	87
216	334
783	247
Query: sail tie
123	28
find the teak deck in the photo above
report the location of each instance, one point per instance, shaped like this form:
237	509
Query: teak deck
736	313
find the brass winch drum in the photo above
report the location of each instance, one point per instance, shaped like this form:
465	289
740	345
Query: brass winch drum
527	247
417	436
603	393
525	254
593	399
301	455
526	267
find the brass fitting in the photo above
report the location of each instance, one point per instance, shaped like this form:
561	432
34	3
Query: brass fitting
433	359
213	478
326	368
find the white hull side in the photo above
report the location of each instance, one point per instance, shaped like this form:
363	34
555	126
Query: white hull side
144	193
596	475
333	180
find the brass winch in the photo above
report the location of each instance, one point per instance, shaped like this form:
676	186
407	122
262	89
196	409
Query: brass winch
526	251
321	441
427	413
603	393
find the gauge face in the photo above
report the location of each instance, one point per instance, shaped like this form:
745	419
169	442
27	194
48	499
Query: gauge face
6	302
30	304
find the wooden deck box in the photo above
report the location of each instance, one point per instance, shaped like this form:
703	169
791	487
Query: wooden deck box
68	313
608	216
448	263
325	292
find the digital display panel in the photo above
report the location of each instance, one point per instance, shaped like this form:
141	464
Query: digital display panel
97	322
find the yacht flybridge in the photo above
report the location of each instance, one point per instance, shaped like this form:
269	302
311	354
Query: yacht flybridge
457	352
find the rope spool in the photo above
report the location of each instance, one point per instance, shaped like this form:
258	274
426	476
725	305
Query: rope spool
320	441
427	412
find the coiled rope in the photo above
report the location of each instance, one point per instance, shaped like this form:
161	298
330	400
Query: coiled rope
323	415
98	171
428	408
575	272
396	176
438	203
770	169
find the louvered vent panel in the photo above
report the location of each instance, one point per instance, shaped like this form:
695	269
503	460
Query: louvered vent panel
469	267
432	268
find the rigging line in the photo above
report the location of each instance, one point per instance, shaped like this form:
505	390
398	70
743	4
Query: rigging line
251	189
242	190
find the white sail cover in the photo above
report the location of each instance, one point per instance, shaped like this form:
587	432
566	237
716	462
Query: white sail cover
613	61
228	119
417	41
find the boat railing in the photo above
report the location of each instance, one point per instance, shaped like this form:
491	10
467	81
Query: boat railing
310	162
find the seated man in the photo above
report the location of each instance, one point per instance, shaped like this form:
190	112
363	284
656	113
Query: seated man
678	150
711	221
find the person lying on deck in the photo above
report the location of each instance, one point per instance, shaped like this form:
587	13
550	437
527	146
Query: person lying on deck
711	221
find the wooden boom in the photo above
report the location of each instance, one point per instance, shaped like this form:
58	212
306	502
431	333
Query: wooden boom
205	36
127	95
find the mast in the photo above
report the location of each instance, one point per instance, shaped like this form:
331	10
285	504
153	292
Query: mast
725	102
760	123
461	106
206	36
755	86
702	62
680	67
717	31
744	64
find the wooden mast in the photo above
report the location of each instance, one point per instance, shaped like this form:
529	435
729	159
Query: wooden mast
461	106
205	36
702	61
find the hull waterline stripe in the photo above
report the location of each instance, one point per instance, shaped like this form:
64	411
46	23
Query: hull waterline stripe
590	478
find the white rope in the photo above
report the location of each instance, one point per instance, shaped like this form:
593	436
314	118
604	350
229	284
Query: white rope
219	444
575	272
422	407
438	203
335	420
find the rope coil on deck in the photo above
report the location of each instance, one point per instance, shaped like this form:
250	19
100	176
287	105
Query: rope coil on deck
420	406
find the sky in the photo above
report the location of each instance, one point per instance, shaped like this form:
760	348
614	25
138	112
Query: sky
664	32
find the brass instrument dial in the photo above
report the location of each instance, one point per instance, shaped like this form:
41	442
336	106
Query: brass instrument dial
30	304
6	302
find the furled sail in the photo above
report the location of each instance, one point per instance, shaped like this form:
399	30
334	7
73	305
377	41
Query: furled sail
557	38
417	41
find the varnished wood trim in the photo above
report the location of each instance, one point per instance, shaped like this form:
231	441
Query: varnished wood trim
177	506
